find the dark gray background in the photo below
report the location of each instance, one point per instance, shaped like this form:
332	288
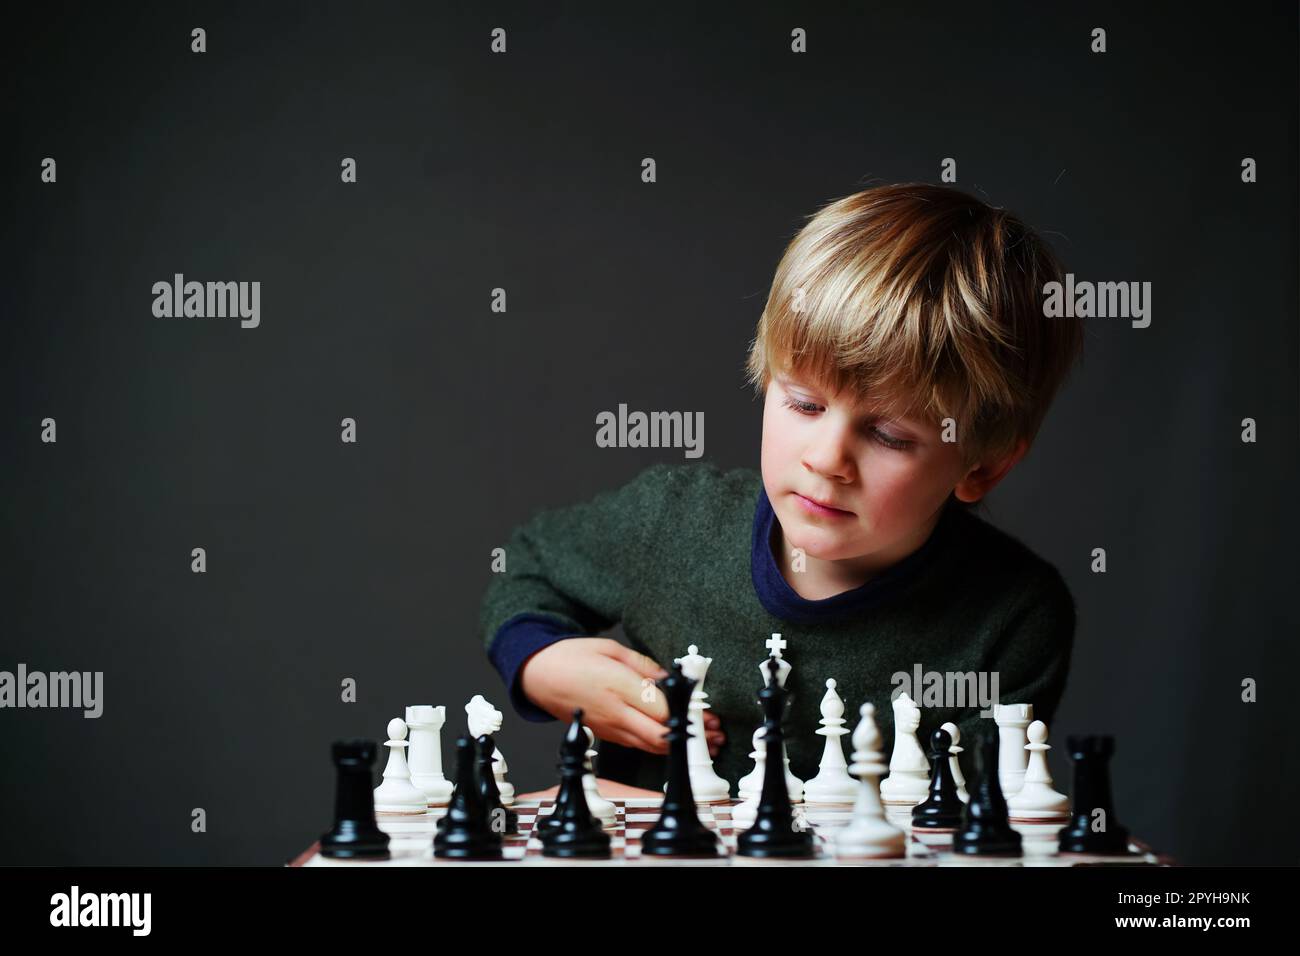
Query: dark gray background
522	171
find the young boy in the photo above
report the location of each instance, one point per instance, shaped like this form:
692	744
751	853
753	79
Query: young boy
906	365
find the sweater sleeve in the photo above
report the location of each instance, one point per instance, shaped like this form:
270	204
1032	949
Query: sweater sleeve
569	572
1032	659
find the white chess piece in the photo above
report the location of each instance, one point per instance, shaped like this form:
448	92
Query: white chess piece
750	787
868	835
908	782
751	783
1037	802
397	794
954	764
1012	719
776	644
832	783
600	808
706	785
425	754
483	718
744	814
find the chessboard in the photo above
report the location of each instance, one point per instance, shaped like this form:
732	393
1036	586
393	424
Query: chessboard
412	841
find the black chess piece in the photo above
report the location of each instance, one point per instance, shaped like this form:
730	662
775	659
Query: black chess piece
678	831
500	817
465	833
574	832
355	834
985	829
943	809
1092	827
774	832
553	821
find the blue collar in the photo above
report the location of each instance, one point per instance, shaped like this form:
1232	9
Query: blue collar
781	600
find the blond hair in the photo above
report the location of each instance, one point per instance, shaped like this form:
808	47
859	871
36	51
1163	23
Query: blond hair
925	302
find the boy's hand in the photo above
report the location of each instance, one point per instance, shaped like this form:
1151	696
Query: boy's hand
614	686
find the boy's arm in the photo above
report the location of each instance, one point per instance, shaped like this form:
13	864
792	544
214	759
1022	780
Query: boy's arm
570	572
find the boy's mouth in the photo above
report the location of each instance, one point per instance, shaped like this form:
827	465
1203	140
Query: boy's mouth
823	509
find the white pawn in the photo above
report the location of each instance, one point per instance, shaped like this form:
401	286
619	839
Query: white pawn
750	787
600	808
397	794
955	764
751	784
869	834
1037	802
483	718
1012	719
745	813
908	782
425	755
832	783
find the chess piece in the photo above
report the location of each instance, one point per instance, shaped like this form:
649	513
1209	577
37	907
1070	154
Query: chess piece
483	718
832	783
751	784
744	813
942	810
355	834
954	763
1012	719
600	808
1093	827
774	832
465	833
908	782
397	794
1037	802
425	754
500	817
868	835
985	830
707	786
575	834
776	644
678	831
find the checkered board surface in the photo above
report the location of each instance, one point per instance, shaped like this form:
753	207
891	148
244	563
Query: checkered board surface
412	841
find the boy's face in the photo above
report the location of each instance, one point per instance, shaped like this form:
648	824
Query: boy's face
885	480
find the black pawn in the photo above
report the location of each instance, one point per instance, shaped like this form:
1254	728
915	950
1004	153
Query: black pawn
678	831
1088	830
773	833
943	809
500	817
355	835
572	831
985	830
465	832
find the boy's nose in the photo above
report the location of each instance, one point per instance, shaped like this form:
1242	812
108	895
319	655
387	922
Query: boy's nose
829	460
830	446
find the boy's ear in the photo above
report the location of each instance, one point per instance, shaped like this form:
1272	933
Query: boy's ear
983	477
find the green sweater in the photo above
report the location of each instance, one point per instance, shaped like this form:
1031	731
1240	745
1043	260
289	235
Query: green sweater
682	555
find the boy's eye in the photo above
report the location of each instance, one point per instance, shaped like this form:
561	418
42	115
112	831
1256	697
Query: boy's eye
883	437
807	408
888	440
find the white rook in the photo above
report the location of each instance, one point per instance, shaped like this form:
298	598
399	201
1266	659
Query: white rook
425	723
1012	721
